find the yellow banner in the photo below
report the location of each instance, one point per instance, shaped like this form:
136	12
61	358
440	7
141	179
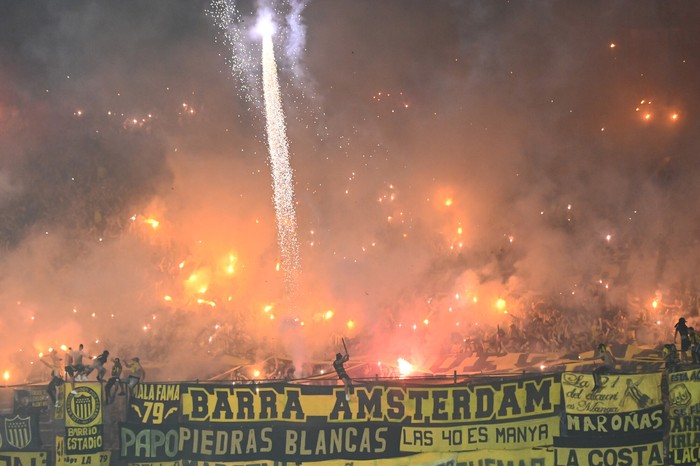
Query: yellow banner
684	416
635	455
83	404
619	393
513	435
17	458
528	457
93	459
510	401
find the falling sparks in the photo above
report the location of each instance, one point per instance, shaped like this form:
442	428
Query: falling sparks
283	190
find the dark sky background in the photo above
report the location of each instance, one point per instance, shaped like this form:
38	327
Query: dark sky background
446	154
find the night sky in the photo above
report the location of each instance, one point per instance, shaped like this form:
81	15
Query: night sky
455	163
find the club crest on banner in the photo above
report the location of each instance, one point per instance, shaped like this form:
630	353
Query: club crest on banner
679	395
18	432
83	405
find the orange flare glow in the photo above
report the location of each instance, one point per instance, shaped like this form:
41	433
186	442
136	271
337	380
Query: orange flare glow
501	304
405	367
152	222
231	267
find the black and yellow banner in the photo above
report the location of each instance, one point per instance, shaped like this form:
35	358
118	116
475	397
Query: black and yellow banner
291	442
37	458
530	457
30	400
83	408
630	450
497	401
619	393
282	422
259	441
645	420
512	435
684	416
154	404
83	404
93	459
19	433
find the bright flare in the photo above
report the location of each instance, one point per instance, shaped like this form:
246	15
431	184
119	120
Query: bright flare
405	367
152	222
265	27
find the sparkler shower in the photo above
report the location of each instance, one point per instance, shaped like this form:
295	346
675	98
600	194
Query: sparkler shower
279	161
230	22
465	173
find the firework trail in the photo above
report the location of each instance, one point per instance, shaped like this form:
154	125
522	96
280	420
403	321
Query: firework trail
283	190
245	66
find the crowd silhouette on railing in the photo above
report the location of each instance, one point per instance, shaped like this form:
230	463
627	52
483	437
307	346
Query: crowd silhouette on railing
74	370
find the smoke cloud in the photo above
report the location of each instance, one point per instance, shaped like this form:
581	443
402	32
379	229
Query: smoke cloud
446	155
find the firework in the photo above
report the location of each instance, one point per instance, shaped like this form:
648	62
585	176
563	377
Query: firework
278	146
